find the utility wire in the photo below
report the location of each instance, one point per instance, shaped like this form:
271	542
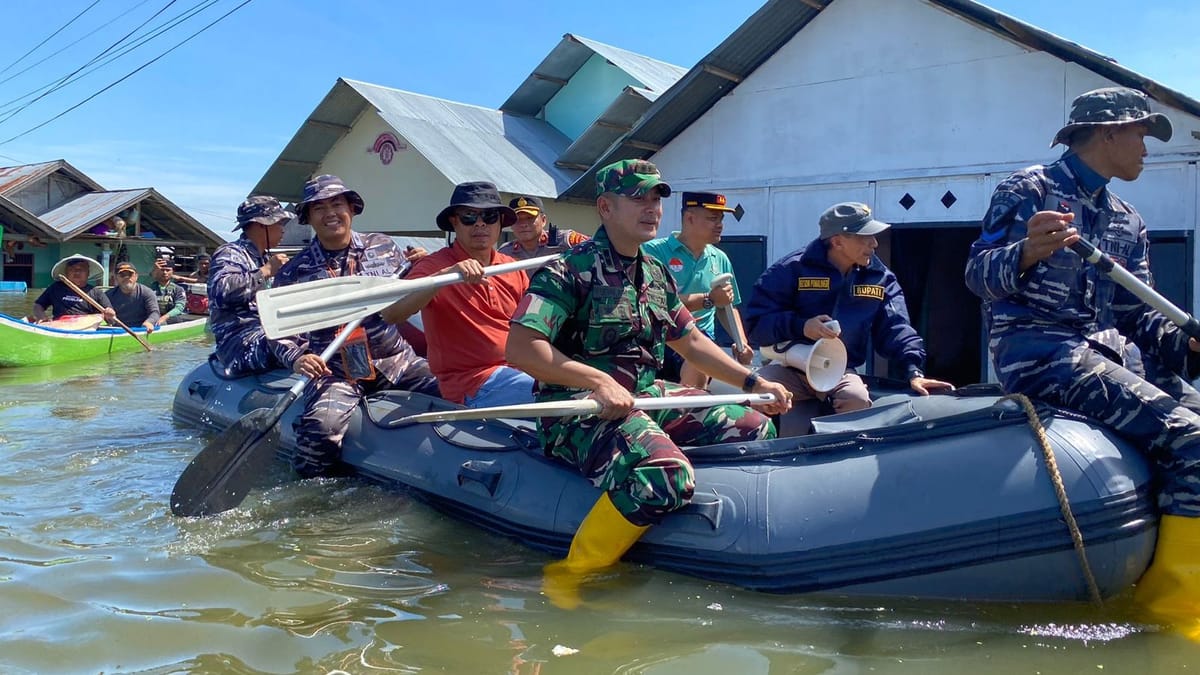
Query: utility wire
129	75
102	26
60	29
62	82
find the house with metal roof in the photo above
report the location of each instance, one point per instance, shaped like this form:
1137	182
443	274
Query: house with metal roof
52	210
918	108
404	152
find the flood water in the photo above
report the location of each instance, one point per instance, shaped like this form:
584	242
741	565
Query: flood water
339	575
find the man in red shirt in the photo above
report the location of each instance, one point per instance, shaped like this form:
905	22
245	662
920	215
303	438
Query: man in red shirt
466	325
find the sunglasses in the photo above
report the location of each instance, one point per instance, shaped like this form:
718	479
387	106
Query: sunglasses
489	216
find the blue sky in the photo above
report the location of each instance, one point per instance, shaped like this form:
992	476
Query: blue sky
203	123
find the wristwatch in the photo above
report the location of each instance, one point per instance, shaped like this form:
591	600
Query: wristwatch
750	382
708	303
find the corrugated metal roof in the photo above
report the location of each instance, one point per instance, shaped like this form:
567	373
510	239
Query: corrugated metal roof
777	22
90	209
464	142
13	178
561	64
612	124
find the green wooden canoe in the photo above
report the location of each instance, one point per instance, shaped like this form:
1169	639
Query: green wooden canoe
27	344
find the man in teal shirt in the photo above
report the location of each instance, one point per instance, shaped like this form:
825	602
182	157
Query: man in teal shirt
694	261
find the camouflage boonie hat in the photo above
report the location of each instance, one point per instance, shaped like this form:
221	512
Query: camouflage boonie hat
1113	105
327	186
263	210
632	178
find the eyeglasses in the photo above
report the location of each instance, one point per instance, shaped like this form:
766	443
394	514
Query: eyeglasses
489	216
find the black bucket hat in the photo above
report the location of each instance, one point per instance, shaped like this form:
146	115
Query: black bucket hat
476	195
327	186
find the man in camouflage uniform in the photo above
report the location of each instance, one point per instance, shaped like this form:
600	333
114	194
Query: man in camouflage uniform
374	359
1063	332
597	322
239	270
172	300
531	237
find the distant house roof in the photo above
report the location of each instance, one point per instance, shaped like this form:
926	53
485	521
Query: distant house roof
568	57
462	141
92	205
776	23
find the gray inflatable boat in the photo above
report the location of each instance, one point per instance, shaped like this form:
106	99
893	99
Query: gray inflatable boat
932	497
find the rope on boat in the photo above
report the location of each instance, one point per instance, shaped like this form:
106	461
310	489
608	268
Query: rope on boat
1064	504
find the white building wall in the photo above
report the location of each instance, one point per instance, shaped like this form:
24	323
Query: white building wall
406	195
878	98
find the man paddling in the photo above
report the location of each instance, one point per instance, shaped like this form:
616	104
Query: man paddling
1063	332
467	324
596	323
239	270
62	301
374	357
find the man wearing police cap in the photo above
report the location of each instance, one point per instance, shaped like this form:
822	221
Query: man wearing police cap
1065	333
533	235
238	270
694	261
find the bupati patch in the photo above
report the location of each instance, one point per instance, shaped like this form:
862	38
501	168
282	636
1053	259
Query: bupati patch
812	284
868	291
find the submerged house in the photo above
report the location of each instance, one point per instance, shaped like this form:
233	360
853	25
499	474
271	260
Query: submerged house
52	210
918	108
405	152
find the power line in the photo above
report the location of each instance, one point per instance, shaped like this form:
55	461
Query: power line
64	81
102	26
60	29
130	74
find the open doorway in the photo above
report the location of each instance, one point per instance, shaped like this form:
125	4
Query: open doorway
929	259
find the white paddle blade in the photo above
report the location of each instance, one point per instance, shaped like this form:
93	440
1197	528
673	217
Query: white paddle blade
322	303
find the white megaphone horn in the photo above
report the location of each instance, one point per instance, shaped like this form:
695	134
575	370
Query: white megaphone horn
823	362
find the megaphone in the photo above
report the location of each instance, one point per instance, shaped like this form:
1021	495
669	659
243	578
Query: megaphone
823	362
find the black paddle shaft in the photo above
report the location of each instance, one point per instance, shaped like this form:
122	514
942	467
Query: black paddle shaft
1186	322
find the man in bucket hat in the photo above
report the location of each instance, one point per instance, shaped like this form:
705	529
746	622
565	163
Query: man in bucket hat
62	301
237	271
1063	332
596	323
466	324
375	356
533	234
836	277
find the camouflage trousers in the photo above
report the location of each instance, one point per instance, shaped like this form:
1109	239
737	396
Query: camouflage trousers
247	352
1160	414
328	405
637	459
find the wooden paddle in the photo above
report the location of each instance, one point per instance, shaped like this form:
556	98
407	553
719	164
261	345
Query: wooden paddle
581	406
100	308
312	305
739	338
220	475
1186	322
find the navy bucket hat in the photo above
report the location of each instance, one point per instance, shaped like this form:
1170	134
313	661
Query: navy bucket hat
327	186
476	195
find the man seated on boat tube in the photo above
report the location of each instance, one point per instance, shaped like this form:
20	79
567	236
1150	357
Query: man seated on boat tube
466	325
62	301
1064	332
374	357
596	323
837	277
134	303
240	269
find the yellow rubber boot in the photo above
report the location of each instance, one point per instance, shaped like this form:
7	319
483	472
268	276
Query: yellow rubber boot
602	538
1170	589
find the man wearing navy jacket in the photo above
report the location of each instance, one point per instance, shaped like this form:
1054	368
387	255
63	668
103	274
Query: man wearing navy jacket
837	277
